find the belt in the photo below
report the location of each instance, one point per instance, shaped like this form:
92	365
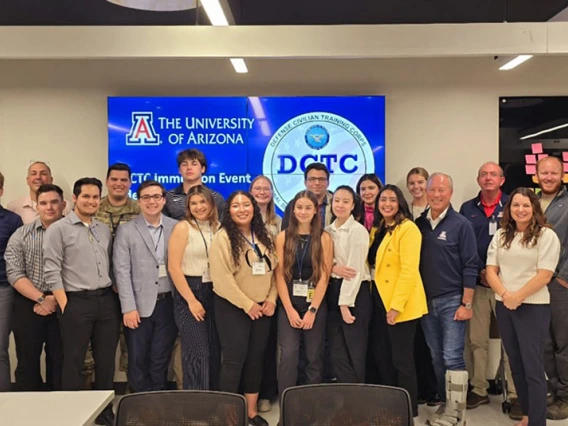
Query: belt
166	295
97	292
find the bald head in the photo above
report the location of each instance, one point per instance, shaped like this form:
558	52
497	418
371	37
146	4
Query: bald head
39	174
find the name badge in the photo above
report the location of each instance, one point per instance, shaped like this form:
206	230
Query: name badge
162	272
206	277
258	268
492	227
300	288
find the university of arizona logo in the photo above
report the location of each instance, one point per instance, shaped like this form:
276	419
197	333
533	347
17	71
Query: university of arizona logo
142	131
442	236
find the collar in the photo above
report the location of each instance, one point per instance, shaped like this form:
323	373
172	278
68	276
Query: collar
105	204
37	224
179	189
443	215
149	225
345	227
2	211
27	201
75	219
560	193
497	200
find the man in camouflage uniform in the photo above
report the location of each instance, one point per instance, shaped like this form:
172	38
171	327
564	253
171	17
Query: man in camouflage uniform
115	209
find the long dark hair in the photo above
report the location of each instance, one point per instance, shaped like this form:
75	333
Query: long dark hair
537	223
292	238
357	203
403	209
236	238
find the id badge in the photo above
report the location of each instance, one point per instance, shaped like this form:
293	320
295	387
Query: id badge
162	272
299	288
492	227
206	277
258	268
311	292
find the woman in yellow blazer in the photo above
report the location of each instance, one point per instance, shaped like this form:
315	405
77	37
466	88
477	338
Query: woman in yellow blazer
398	294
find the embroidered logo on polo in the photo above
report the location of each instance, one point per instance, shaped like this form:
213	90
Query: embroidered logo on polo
443	236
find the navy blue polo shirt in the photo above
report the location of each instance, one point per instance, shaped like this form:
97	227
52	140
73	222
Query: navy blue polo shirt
9	222
473	210
448	257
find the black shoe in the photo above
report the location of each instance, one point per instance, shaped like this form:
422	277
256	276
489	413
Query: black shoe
474	400
106	418
257	421
434	401
422	400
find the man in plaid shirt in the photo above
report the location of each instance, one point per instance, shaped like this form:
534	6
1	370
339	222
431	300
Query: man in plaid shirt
34	321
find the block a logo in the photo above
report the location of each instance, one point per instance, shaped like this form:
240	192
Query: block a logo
315	137
142	132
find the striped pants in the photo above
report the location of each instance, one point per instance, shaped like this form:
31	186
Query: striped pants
200	352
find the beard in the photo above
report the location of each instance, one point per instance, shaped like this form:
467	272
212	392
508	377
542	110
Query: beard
553	191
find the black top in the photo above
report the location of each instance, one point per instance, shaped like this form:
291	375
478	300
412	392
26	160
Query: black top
372	256
303	258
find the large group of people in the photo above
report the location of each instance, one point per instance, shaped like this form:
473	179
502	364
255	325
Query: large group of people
354	286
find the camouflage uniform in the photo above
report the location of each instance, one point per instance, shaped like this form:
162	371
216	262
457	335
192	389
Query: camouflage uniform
112	216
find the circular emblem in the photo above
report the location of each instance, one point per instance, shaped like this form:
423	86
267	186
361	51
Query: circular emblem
317	137
320	137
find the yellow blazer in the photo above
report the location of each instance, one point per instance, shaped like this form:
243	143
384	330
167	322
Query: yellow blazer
396	272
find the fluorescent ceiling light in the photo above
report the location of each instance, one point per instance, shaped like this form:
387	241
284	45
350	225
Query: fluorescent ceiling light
515	62
157	5
239	65
215	13
552	129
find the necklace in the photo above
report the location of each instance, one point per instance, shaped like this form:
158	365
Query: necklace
303	240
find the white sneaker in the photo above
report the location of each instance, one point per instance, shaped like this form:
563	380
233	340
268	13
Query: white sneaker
264	406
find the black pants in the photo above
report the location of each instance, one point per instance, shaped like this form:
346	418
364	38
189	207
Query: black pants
289	349
348	342
90	316
556	349
523	332
200	352
150	348
393	349
243	343
31	333
427	387
269	384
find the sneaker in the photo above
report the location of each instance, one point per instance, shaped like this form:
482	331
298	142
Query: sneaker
558	410
516	412
474	400
434	400
264	405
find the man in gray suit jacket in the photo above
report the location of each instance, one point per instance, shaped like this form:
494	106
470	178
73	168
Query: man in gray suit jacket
145	290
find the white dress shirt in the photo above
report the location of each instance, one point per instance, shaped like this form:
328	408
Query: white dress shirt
350	248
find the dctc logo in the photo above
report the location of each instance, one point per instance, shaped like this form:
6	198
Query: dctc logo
316	137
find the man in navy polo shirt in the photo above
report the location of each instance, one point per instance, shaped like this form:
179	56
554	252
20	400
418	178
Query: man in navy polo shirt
9	222
485	212
448	265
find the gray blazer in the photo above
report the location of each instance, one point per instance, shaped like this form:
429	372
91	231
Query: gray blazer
135	265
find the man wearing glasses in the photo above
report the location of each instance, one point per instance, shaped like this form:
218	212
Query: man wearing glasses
316	180
145	290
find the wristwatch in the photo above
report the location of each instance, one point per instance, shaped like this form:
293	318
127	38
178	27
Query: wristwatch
467	306
41	299
313	309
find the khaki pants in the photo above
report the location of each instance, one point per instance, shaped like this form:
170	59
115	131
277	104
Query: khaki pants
176	364
479	328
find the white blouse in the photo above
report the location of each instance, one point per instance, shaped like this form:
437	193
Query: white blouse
350	248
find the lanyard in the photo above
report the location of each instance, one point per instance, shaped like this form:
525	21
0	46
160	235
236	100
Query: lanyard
253	245
205	242
159	238
301	262
114	225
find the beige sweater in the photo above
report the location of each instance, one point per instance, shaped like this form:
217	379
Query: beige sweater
237	284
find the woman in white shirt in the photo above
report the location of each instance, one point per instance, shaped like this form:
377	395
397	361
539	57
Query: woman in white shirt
521	260
416	183
349	291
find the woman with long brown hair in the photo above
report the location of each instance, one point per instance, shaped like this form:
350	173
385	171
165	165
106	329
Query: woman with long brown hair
305	251
188	264
416	183
521	260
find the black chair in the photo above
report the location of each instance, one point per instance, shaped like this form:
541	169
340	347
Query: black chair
345	404
182	408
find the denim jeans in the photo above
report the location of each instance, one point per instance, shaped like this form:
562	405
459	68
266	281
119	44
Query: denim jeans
445	338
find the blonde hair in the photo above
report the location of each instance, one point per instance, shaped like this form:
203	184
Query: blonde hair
270	209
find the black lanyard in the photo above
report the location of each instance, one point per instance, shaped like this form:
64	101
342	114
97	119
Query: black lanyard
114	225
203	237
159	239
253	245
301	262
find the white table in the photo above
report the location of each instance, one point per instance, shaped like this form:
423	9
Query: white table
53	408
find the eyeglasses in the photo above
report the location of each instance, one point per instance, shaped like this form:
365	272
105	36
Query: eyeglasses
261	189
315	179
155	197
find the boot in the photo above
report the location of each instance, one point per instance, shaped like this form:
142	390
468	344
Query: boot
437	414
456	397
